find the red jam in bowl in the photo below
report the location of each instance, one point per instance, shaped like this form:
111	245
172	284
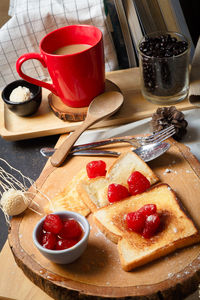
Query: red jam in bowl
60	234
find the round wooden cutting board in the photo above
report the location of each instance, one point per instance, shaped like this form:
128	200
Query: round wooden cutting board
98	273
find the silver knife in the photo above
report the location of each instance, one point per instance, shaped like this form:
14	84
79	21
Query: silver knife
78	148
146	152
48	152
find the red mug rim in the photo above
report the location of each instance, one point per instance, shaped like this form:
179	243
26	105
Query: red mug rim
100	35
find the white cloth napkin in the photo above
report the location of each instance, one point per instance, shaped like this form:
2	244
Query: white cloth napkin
33	19
191	139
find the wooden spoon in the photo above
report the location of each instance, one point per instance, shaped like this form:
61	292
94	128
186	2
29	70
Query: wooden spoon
102	106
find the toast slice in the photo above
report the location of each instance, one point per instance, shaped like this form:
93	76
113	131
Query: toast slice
69	198
177	230
94	191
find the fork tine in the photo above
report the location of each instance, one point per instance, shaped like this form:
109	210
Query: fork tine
164	137
163	134
158	133
156	136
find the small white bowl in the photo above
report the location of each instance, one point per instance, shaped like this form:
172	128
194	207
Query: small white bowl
69	255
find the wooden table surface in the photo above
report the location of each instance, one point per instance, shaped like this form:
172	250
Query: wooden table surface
13	283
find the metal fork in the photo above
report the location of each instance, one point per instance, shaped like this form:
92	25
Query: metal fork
146	140
158	136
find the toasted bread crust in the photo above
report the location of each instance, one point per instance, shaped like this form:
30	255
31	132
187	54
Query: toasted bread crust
85	197
184	242
95	196
151	176
110	235
179	230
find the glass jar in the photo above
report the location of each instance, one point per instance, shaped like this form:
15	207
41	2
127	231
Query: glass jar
164	68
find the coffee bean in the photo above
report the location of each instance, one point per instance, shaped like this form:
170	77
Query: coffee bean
154	70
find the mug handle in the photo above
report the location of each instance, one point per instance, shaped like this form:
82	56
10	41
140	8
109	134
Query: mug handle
39	57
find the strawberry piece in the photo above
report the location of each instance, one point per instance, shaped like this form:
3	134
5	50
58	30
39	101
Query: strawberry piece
49	240
137	183
65	244
135	221
117	192
52	223
96	168
151	225
148	209
71	230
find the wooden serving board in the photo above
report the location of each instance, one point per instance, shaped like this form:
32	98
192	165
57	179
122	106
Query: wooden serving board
44	122
98	271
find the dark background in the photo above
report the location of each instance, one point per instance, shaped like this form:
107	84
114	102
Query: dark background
24	156
191	10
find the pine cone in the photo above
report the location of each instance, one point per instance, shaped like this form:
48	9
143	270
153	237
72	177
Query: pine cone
166	116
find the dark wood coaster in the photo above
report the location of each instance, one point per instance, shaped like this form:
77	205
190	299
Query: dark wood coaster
67	113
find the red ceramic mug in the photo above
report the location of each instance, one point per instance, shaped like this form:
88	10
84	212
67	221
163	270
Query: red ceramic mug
78	76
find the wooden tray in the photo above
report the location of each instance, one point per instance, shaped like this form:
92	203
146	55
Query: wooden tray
98	272
44	122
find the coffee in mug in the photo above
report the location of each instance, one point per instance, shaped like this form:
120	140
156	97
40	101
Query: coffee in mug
71	49
74	57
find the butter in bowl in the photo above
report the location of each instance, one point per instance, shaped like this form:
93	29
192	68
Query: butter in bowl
22	97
